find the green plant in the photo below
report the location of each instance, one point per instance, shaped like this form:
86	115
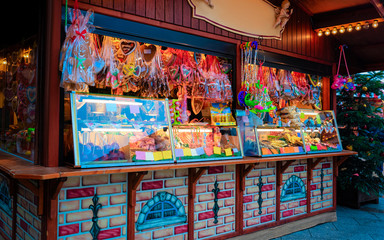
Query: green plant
362	130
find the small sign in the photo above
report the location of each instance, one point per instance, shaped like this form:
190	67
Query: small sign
228	152
140	155
167	154
200	151
134	109
187	152
179	152
149	156
208	151
157	156
217	150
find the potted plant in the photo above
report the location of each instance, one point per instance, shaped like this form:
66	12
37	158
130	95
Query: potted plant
359	115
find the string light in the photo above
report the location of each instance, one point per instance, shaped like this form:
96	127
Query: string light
375	24
358	27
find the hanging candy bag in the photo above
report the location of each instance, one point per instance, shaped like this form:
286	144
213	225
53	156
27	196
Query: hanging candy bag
340	82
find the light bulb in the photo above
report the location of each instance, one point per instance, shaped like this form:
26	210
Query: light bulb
342	29
320	33
334	30
375	24
327	32
366	25
350	28
358	27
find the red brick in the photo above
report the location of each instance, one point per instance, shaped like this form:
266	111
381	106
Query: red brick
224	194
313	187
110	233
303	202
298	169
181	229
68	229
247	199
288	213
152	185
266	218
326	165
24	225
217	169
206	215
80	192
268	187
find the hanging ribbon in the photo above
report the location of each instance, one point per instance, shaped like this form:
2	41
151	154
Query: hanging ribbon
339	82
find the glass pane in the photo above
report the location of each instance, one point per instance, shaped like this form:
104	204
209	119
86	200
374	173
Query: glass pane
18	99
320	131
114	130
206	142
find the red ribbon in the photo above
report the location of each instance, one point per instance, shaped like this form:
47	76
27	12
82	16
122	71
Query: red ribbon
79	34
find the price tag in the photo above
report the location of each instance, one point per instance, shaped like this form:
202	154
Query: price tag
187	152
134	109
149	156
167	154
208	151
228	152
157	156
179	152
217	150
140	155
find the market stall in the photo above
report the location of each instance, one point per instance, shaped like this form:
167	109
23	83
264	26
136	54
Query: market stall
164	132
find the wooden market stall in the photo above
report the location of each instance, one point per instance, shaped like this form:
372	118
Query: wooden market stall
62	176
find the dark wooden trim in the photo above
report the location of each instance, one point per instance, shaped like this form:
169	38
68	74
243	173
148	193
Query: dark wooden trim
193	176
309	181
134	180
57	187
379	7
51	209
21	169
180	28
279	181
51	94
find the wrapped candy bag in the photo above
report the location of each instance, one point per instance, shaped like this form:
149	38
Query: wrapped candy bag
77	62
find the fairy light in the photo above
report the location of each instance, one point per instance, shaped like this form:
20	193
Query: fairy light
366	25
375	24
320	33
327	32
342	29
358	27
350	28
334	30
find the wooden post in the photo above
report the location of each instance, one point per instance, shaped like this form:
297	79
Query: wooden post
309	179
241	173
134	180
193	176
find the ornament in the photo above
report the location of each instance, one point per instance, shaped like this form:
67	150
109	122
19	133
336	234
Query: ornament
364	88
346	115
382	154
365	126
371	140
349	147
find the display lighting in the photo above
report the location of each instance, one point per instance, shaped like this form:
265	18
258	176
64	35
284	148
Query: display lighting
375	24
358	27
351	26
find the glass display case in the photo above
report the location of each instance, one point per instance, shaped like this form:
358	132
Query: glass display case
206	142
118	130
279	141
320	131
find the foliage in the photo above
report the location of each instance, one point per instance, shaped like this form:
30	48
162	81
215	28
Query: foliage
362	130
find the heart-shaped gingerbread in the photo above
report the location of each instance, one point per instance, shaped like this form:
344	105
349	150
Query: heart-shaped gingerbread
185	71
29	74
127	47
197	105
173	72
31	94
148	51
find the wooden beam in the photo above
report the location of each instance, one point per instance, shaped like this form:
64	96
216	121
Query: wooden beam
193	176
378	6
134	180
59	184
344	16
